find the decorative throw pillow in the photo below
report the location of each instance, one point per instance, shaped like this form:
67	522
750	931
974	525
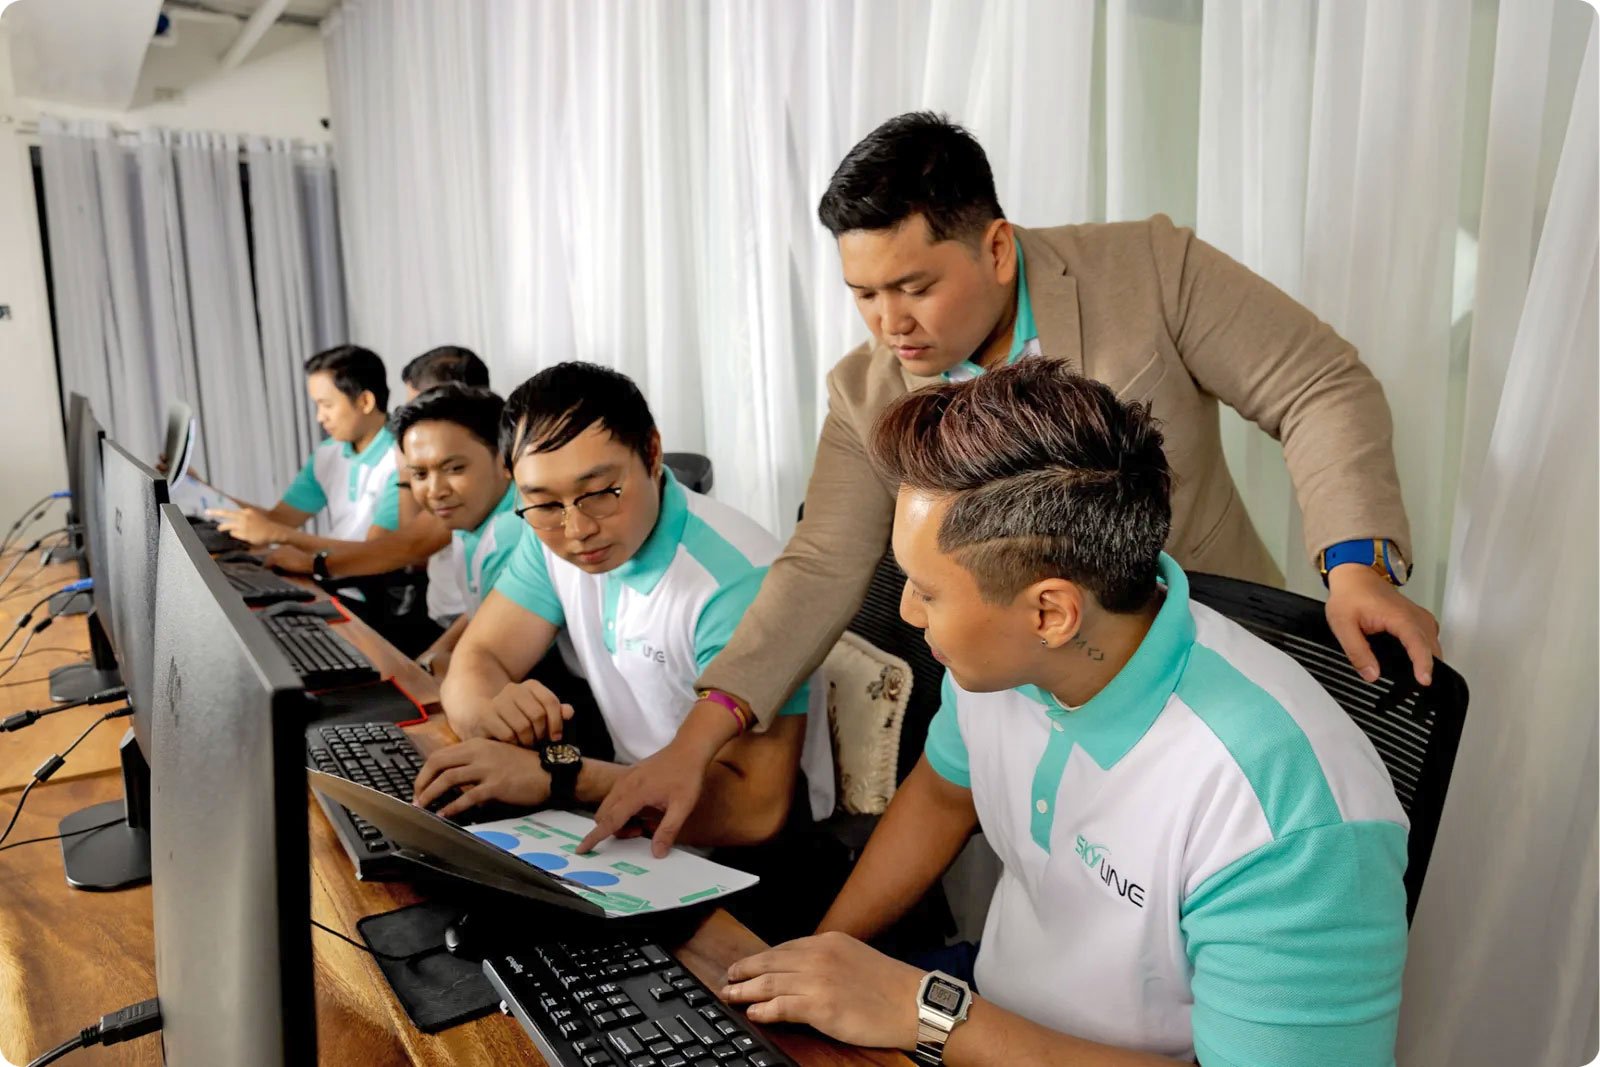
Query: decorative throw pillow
868	690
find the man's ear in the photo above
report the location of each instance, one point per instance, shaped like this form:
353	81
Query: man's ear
998	247
655	453
366	403
1057	606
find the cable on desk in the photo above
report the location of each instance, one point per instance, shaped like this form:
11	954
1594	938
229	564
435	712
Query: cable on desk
70	833
54	764
135	1020
369	950
33	715
22	554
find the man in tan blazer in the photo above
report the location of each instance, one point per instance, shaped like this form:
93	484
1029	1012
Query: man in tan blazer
950	288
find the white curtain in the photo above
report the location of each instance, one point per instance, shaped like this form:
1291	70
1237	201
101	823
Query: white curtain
156	290
636	185
1503	953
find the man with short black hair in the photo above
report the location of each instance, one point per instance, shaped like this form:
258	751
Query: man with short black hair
950	289
442	365
349	474
647	579
1203	856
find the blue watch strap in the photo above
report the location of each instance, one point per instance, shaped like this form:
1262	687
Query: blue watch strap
1366	552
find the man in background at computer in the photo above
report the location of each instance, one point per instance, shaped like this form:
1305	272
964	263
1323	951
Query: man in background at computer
648	579
450	443
348	475
1203	856
408	532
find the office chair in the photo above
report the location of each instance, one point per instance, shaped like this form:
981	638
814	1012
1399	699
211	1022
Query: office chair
690	468
1415	730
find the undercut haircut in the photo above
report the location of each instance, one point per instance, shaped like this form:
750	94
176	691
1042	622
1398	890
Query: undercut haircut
447	363
919	163
548	411
1048	475
475	410
355	370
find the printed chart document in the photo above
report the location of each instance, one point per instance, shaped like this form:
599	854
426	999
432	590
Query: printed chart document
620	875
535	855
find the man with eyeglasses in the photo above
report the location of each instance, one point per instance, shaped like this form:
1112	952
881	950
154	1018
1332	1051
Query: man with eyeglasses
648	580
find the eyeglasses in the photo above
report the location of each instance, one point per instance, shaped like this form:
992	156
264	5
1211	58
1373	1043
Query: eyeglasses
601	504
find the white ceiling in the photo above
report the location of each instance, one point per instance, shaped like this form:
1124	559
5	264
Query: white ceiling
85	52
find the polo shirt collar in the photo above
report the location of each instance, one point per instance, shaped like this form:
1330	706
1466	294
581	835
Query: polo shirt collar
508	502
1114	719
376	449
645	570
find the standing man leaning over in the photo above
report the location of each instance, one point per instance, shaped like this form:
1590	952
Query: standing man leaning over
949	289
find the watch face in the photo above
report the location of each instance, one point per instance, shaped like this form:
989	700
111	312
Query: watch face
943	996
560	753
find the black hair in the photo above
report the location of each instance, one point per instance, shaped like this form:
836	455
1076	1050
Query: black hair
355	370
549	410
919	163
475	410
1048	474
447	363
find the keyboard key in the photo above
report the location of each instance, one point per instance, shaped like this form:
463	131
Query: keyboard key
695	997
694	1051
762	1059
619	1000
744	1043
724	1053
660	1048
606	1020
646	1032
726	1028
654	954
700	1028
587	1045
624	1042
682	984
572	1028
662	993
674	1060
629	1014
596	1059
676	1032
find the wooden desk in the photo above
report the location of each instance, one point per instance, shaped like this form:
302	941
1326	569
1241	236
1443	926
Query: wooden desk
67	957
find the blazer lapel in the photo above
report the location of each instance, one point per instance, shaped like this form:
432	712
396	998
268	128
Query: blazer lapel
1054	294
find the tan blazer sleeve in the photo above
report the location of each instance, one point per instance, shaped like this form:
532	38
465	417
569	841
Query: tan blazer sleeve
1260	352
815	587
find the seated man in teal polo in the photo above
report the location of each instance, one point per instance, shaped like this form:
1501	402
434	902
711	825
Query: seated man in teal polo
646	579
1203	856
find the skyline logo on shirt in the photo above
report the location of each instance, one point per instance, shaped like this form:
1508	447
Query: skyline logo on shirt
1098	859
640	647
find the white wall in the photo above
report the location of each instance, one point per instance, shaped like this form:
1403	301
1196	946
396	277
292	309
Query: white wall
281	91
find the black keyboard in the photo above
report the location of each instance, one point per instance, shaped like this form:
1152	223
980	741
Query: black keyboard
622	1002
260	586
376	754
323	659
212	539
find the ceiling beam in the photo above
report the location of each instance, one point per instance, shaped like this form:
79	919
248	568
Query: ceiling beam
252	31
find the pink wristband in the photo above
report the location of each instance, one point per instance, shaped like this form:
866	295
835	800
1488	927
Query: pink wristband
717	696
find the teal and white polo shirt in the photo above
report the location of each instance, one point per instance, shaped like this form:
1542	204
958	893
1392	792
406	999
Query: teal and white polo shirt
1024	335
353	486
643	632
478	556
1205	860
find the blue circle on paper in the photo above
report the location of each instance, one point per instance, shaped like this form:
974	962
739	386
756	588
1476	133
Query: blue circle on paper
593	879
545	861
498	839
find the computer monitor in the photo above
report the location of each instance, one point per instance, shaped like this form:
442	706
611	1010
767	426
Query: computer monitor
232	867
77	406
78	680
177	447
125	539
79	415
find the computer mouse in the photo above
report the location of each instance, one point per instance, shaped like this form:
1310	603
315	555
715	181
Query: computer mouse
460	938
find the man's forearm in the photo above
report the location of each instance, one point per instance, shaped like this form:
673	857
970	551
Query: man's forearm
994	1037
914	843
380	555
475	678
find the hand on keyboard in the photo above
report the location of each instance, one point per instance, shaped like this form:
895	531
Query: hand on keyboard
483	771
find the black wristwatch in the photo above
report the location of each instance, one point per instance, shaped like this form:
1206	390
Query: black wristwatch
319	566
562	762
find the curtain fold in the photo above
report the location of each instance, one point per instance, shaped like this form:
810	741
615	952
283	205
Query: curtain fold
1510	902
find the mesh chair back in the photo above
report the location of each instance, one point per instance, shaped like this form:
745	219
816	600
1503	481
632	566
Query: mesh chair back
690	468
1415	730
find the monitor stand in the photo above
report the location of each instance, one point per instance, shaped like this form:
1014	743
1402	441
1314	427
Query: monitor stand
115	856
77	681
